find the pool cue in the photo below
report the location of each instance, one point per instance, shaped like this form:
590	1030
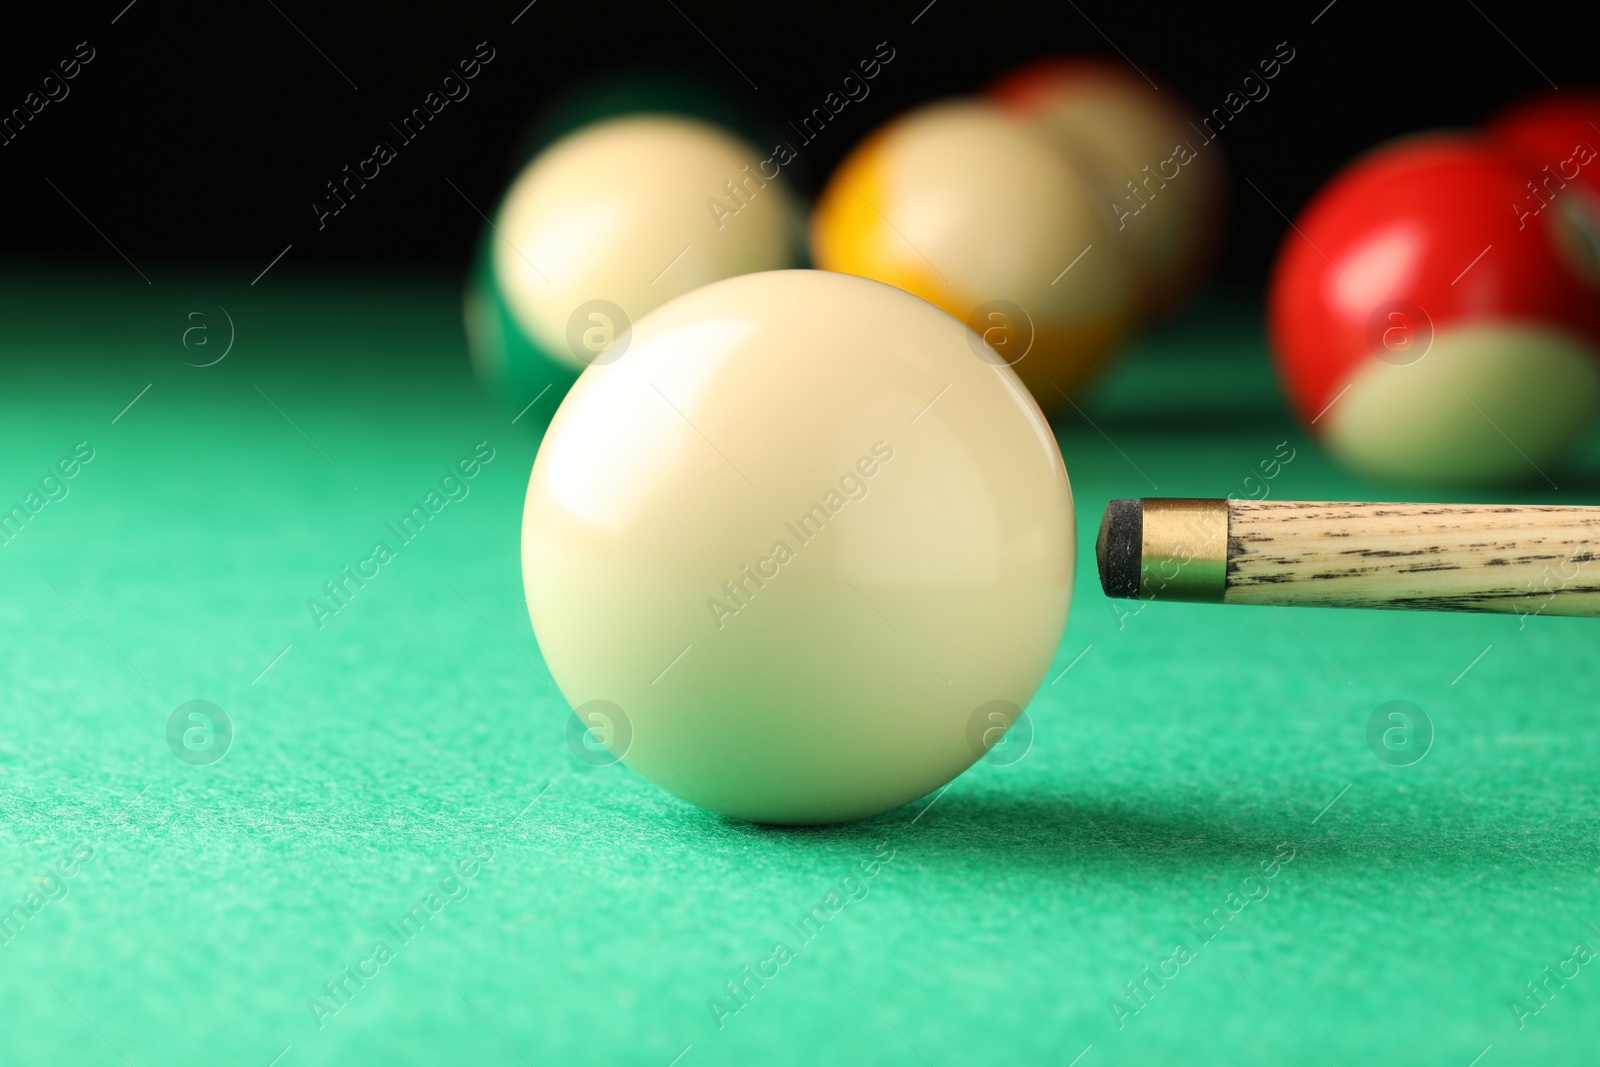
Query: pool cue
1530	559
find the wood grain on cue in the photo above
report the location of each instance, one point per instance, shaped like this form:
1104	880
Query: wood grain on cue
1526	559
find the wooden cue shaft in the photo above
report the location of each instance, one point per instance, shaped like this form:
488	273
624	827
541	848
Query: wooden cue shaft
1528	559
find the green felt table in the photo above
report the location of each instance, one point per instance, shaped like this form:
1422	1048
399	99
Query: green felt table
1199	776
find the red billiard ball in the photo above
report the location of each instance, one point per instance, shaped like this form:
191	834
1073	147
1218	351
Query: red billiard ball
1150	161
1557	136
1557	133
1425	329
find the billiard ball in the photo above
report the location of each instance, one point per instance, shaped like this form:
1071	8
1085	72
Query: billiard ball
607	222
796	538
1557	138
1164	179
1423	331
967	206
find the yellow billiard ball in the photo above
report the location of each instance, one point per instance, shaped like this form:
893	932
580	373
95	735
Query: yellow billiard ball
799	538
968	206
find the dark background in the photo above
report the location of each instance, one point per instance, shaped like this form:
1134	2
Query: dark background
204	132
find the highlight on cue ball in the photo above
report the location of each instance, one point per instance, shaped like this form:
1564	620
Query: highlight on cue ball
813	554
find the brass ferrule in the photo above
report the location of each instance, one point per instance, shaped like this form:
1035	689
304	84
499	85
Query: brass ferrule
1184	555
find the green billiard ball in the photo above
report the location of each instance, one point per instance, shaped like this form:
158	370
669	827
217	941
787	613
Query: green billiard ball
610	220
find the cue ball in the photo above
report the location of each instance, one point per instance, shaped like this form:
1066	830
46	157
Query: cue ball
1425	330
803	533
606	223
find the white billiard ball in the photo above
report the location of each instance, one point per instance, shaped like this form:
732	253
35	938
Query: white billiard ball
800	537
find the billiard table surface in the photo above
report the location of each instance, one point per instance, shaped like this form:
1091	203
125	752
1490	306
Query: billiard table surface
399	860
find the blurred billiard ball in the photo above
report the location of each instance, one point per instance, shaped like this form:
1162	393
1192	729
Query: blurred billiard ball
608	221
1557	136
1146	156
969	206
1424	330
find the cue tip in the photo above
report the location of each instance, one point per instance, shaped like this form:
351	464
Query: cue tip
1118	549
